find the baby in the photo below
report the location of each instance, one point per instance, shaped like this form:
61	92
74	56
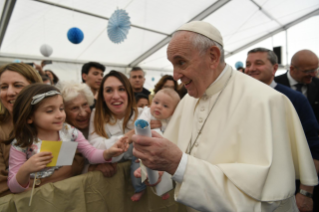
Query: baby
162	108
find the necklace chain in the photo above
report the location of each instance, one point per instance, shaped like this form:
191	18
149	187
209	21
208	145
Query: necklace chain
190	144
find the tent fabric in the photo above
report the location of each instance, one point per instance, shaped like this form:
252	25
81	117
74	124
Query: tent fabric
35	22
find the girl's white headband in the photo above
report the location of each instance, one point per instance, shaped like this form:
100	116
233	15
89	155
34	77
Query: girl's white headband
39	97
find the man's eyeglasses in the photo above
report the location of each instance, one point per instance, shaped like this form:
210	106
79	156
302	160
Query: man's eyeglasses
308	71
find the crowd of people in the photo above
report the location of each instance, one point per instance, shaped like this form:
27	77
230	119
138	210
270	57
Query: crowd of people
239	141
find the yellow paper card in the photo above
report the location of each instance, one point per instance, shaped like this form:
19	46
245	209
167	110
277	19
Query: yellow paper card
53	147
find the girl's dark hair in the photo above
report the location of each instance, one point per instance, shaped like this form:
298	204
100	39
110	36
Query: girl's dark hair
103	114
55	77
162	81
26	133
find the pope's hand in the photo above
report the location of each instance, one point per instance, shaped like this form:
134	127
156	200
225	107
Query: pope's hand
305	204
157	153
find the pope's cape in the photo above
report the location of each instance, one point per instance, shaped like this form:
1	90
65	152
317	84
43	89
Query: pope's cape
251	148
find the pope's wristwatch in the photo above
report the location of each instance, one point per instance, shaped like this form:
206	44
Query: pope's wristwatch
305	193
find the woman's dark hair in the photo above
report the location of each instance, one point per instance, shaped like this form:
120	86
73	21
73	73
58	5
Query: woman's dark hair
103	114
26	133
55	78
46	78
162	82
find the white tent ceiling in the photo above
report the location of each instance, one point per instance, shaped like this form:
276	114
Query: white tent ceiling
241	22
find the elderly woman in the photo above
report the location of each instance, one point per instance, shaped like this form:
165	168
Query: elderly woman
77	101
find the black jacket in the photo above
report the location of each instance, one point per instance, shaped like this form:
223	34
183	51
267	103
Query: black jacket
312	92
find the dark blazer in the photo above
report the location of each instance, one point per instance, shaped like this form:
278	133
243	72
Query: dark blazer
312	92
306	116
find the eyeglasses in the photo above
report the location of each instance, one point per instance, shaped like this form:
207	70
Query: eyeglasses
308	71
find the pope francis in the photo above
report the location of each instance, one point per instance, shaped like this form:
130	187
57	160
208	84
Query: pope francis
233	143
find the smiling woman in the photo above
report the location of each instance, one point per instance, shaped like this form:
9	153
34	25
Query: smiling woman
13	78
113	118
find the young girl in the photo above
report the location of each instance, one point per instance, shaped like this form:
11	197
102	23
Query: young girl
38	114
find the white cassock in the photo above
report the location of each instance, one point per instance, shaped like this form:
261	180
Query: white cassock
249	152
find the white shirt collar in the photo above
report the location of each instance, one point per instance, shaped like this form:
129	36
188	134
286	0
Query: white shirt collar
292	81
273	84
209	89
220	75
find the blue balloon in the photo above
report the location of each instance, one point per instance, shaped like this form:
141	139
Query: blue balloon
239	64
75	35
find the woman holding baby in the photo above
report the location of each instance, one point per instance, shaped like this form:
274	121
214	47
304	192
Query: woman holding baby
114	117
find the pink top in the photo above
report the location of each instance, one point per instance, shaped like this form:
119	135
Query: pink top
18	158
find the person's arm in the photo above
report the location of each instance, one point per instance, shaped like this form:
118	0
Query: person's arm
316	165
310	127
96	156
200	184
4	189
107	169
78	164
39	69
100	142
20	168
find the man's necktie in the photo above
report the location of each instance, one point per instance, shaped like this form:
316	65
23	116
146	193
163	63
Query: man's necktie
299	86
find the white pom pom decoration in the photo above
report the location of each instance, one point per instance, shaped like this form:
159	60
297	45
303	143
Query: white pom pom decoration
46	50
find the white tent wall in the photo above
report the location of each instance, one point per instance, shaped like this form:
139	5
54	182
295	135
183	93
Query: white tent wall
300	36
241	22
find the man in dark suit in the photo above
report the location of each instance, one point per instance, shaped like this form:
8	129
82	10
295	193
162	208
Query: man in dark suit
262	64
302	77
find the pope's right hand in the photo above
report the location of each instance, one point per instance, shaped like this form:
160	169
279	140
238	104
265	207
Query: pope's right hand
38	162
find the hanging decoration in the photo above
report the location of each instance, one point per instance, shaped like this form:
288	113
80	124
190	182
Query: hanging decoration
46	50
239	65
119	25
75	35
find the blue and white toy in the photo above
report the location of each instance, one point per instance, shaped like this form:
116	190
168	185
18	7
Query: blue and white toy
143	128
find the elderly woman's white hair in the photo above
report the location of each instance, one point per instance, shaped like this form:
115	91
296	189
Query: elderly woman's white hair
71	90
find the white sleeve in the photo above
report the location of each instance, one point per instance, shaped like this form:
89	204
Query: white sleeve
180	171
98	141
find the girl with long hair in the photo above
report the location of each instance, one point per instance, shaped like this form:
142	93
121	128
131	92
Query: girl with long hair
42	117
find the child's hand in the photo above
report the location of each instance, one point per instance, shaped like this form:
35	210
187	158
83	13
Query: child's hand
129	135
37	162
117	149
